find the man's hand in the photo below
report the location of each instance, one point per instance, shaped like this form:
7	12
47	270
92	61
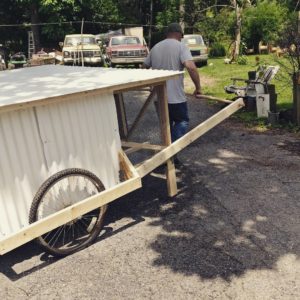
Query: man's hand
197	93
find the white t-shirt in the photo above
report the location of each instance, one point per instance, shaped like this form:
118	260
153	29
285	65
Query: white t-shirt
170	54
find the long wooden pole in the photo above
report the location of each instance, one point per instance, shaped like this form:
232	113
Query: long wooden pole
162	156
163	113
206	97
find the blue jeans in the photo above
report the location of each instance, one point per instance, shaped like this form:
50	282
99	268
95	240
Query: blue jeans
179	120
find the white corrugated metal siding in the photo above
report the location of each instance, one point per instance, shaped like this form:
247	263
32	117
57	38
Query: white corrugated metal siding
38	142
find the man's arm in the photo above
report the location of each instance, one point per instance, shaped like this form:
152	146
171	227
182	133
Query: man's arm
193	72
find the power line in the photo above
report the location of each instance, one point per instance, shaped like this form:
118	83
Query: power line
76	22
99	23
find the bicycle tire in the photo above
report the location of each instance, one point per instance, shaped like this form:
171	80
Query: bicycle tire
90	224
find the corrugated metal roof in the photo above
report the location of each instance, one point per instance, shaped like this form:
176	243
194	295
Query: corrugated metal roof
37	83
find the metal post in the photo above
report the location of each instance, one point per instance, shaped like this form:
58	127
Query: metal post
150	24
82	62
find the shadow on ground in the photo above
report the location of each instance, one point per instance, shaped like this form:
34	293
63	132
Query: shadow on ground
202	236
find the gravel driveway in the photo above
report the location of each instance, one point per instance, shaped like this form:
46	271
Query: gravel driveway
232	232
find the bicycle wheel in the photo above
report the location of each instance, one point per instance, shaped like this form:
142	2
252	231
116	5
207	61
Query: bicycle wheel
59	191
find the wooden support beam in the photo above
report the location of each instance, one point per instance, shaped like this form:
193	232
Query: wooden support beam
139	146
163	113
206	97
126	166
141	113
159	158
122	120
70	213
142	84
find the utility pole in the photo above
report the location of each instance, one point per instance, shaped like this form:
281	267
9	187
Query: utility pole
150	24
82	61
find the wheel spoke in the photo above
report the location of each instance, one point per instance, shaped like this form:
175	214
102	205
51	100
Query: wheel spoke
61	190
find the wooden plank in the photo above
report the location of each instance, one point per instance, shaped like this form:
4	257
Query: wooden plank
145	145
122	120
68	214
159	158
127	166
206	97
141	113
163	113
132	150
131	88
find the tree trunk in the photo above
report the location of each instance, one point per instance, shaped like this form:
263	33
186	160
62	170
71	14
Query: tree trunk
238	25
34	18
181	14
296	97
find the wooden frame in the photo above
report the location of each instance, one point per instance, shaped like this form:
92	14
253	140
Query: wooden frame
132	175
167	149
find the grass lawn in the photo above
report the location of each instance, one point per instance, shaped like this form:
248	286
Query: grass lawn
217	74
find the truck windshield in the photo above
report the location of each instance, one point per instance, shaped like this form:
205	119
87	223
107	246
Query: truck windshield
125	40
193	40
78	40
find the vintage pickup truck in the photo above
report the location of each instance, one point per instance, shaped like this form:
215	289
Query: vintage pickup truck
126	50
81	47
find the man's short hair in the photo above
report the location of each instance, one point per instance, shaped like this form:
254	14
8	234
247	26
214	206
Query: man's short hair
174	27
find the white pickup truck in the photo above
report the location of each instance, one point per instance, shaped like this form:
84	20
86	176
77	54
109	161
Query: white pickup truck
78	47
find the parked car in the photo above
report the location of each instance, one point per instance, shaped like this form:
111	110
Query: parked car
81	46
126	50
197	47
3	57
17	60
2	63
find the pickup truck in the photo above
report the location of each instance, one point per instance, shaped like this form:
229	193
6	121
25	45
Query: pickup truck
197	47
81	46
126	50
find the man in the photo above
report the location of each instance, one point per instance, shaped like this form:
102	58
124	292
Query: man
171	54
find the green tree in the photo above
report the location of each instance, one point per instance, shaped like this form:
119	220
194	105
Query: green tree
264	22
